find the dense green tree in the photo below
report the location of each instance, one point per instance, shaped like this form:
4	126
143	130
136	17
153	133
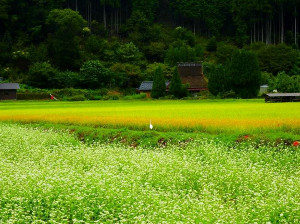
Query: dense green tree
40	75
176	88
94	75
183	53
127	75
129	53
66	79
159	84
218	83
244	74
278	58
64	25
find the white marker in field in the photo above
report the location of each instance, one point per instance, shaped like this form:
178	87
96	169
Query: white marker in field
151	126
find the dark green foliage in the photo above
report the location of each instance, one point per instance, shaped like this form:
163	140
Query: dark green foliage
296	68
77	98
285	84
212	45
218	79
129	53
244	74
184	35
63	46
266	78
155	51
159	84
126	75
275	59
33	96
176	88
148	7
224	53
183	53
40	75
66	79
94	75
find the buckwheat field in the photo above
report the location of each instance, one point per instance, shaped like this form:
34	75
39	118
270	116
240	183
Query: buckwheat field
48	176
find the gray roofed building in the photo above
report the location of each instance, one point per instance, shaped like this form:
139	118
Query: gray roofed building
8	91
146	87
9	86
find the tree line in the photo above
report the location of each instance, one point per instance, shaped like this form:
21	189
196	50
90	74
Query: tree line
119	43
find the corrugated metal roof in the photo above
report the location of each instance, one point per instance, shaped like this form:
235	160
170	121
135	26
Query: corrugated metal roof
147	85
9	86
282	94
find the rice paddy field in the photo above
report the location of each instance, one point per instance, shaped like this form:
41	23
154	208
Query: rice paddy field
49	175
214	116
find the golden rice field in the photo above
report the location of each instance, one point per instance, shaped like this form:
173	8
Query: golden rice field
217	115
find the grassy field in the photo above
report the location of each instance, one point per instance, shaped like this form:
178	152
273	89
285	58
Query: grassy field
50	177
211	116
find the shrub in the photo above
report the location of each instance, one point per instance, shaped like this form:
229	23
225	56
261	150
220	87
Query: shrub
33	96
76	98
284	83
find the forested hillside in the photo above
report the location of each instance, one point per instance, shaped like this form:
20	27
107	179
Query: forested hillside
118	43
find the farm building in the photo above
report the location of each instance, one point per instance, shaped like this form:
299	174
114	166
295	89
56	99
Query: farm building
282	97
190	73
146	87
8	91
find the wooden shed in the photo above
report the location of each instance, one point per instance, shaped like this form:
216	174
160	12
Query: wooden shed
8	91
192	74
282	97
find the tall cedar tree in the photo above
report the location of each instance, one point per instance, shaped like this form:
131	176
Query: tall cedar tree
176	87
159	84
244	74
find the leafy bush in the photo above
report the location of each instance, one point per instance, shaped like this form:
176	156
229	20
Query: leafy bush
285	83
135	96
33	96
76	98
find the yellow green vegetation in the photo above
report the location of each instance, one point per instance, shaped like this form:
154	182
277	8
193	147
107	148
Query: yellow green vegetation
207	116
